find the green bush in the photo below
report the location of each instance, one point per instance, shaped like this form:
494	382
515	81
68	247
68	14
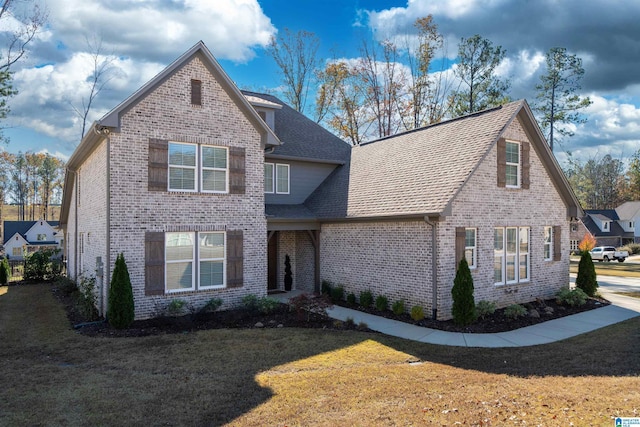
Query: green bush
86	299
337	293
267	305
571	297
5	271
176	307
250	302
485	308
417	313
382	303
212	305
514	311
398	307
586	279
39	267
326	287
464	307
366	298
351	298
121	311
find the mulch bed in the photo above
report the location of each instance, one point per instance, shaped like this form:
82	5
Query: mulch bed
284	317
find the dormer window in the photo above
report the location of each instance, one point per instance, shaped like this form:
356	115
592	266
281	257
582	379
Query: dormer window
605	225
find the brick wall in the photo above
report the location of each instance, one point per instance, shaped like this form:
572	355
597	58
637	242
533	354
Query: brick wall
167	113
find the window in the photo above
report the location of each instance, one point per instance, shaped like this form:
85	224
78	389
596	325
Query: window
189	267
574	245
214	169
631	224
282	179
605	225
41	237
511	255
470	252
268	177
513	164
548	243
196	92
16	252
182	166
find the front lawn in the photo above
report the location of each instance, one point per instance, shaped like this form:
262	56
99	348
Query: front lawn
52	375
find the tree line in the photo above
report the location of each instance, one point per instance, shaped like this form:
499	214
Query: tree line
400	84
31	181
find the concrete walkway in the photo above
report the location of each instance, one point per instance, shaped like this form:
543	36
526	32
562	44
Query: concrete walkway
622	308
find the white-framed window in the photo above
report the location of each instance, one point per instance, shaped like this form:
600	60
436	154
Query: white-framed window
513	164
470	247
574	245
605	225
269	171
183	164
631	224
548	243
16	252
511	255
214	169
282	179
41	237
211	252
190	265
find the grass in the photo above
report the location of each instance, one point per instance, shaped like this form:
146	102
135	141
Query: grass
621	269
273	377
630	294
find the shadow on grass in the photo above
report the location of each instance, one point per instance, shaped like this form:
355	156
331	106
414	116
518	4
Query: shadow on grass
209	377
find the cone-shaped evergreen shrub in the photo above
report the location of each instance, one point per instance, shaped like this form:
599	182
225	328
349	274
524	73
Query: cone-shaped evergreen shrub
121	311
5	271
586	279
288	277
464	306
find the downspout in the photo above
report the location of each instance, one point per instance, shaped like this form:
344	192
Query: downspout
106	278
75	229
434	268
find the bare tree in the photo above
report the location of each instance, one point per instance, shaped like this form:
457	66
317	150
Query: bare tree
30	23
50	173
296	56
101	75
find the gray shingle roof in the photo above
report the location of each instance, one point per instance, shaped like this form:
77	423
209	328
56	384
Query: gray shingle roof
10	228
301	137
628	210
289	212
416	172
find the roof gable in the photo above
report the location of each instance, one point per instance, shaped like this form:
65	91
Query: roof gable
23	227
628	210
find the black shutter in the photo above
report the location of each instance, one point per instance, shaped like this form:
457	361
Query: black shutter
557	243
235	258
236	170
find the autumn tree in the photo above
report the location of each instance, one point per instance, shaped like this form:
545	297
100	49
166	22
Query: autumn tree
426	100
296	57
632	191
557	101
340	101
476	69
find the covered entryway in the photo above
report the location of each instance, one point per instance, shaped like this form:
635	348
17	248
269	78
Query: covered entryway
302	249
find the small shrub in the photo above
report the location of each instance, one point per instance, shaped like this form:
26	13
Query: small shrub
485	308
632	248
362	326
417	313
514	311
303	304
87	299
571	297
267	305
250	302
212	305
349	323
586	278
5	271
366	299
326	287
38	266
464	307
398	307
351	298
120	312
382	303
338	324
337	293
176	307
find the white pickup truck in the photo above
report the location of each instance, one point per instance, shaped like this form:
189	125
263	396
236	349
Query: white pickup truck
608	253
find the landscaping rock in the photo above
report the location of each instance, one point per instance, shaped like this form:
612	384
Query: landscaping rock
259	325
548	310
534	313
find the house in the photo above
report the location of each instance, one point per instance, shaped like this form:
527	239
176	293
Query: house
207	189
606	226
26	237
629	214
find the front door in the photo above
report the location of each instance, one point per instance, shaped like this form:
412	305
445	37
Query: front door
272	263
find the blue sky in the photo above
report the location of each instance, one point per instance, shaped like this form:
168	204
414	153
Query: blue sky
146	35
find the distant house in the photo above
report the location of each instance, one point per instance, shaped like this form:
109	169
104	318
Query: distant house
207	189
629	218
26	237
606	226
